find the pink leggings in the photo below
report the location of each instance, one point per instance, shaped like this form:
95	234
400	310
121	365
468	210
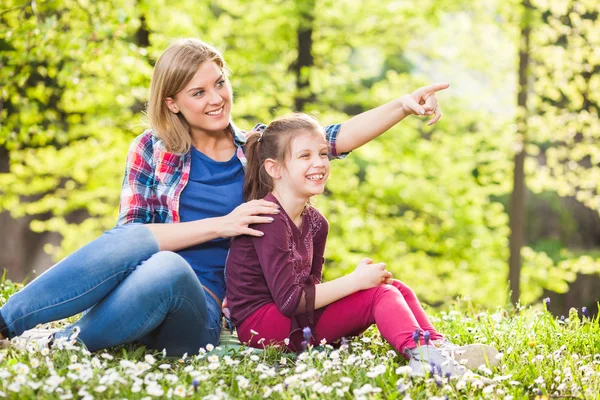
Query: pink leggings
394	308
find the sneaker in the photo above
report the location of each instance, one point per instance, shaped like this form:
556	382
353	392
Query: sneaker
471	355
35	339
425	360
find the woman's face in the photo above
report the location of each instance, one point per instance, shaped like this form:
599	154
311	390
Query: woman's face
205	102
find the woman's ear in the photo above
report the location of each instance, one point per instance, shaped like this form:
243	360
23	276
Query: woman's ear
171	104
273	168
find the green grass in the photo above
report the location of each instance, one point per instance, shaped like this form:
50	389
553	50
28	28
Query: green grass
541	357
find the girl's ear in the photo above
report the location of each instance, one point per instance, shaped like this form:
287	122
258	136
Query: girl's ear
171	104
273	168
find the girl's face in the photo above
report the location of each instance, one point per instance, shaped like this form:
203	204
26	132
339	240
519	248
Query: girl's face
306	171
206	101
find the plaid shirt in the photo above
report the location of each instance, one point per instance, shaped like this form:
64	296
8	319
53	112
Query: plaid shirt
155	178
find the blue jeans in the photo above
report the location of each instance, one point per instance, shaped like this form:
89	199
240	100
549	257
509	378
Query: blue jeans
134	292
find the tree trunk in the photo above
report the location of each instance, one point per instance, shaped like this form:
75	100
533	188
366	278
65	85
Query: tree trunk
305	58
517	202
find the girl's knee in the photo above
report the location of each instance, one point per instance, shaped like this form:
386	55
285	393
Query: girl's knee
403	288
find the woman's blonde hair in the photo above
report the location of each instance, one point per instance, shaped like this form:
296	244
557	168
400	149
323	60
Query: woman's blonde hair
173	71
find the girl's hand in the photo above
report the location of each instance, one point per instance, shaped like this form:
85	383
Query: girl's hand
236	222
423	102
368	275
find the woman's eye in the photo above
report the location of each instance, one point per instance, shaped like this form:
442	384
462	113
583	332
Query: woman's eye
199	93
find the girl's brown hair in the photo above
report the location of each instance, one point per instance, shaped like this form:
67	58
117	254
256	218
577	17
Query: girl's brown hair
173	71
274	143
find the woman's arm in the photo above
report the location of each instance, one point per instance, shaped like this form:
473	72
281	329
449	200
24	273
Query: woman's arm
138	201
367	126
175	237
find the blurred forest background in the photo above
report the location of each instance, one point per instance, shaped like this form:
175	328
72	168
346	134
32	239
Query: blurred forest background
516	151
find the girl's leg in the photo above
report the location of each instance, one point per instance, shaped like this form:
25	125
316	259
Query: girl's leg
383	305
416	309
161	304
270	325
79	281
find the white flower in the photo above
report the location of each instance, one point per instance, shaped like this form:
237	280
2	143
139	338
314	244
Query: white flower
213	366
149	359
179	391
213	358
253	332
34	362
323	342
107	356
73	358
243	383
365	339
21	369
209	347
286	341
404	370
154	390
164	366
100	388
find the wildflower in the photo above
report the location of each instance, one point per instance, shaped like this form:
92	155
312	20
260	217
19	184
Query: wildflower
547	303
304	344
286	341
401	387
344	341
426	336
179	391
323	342
149	359
195	384
210	347
416	335
584	311
253	332
307	333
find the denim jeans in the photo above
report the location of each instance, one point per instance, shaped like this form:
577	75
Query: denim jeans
134	292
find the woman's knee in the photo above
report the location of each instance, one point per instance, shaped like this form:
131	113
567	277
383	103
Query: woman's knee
169	266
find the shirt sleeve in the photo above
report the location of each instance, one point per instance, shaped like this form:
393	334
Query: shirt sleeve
137	192
274	256
319	241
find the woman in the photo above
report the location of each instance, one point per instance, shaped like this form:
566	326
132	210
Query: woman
157	278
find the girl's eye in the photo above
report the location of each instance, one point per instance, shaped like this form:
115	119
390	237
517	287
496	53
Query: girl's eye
324	154
221	83
199	93
305	155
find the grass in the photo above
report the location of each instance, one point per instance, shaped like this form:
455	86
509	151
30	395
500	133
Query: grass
542	357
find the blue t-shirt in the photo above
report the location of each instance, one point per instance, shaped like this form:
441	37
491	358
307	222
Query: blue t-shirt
214	189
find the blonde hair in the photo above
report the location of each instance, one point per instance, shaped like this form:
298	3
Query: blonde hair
173	71
275	143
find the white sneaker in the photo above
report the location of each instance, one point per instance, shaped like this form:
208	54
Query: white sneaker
429	359
471	355
34	339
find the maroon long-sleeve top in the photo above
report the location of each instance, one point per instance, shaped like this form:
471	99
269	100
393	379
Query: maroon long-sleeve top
281	267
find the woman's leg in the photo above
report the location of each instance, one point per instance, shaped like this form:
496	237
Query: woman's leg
79	281
416	309
161	304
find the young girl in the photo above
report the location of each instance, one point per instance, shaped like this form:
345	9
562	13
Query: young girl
274	287
157	278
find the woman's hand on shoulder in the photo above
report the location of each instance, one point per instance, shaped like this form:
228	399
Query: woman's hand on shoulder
368	274
237	222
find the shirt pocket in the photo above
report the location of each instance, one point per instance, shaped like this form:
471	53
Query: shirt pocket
166	173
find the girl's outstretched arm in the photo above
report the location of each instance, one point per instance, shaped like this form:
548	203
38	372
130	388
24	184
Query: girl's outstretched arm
367	126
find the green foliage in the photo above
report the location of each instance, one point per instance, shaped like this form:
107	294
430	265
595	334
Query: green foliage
421	199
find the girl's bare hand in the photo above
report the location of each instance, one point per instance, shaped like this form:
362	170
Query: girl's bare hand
236	222
368	275
423	102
